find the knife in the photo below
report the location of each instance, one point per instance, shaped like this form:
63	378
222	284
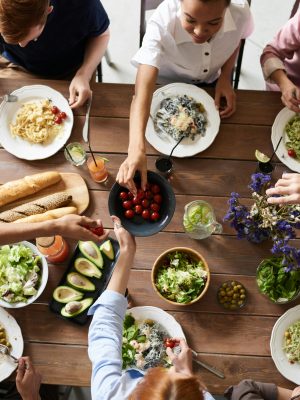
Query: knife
85	130
207	366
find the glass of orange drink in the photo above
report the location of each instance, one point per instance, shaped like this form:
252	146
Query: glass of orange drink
97	168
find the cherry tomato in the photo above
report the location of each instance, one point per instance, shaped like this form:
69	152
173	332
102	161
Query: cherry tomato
146	214
170	343
154	216
123	195
54	110
154	207
129	214
148	194
145	203
140	194
147	186
155	189
292	153
130	196
127	204
97	230
138	209
157	198
62	115
136	200
58	120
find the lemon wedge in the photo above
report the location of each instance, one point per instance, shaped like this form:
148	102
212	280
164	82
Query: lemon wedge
261	157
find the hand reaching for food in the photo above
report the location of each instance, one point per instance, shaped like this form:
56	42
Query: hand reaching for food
287	188
28	381
79	90
135	161
224	90
182	362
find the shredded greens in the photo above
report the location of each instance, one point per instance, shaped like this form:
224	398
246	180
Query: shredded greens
292	342
181	278
143	344
292	129
180	116
19	273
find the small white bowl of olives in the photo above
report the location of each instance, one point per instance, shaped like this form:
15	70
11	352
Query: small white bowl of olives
232	295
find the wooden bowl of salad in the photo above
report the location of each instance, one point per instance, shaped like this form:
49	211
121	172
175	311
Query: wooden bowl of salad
180	276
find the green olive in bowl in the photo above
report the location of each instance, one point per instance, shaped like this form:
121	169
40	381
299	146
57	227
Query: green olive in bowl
232	295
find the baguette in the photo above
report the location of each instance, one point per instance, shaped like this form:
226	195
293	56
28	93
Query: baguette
37	206
15	190
52	214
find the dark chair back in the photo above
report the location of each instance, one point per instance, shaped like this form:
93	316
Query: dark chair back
146	5
295	8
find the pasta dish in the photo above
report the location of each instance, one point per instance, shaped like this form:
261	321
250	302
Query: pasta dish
292	130
37	122
292	342
181	116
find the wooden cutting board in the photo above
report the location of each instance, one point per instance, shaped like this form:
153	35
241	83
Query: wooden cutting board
71	183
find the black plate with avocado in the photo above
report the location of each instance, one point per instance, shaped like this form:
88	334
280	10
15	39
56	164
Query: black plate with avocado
86	277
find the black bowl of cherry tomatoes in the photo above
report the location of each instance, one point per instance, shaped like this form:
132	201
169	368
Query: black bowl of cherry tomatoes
147	213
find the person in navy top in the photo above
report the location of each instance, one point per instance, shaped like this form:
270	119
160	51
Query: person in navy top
56	39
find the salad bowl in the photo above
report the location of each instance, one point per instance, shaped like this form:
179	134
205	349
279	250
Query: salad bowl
180	276
21	276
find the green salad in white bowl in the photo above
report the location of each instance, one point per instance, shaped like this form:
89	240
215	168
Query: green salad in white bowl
23	274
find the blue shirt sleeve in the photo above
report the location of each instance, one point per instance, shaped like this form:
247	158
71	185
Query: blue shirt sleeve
105	343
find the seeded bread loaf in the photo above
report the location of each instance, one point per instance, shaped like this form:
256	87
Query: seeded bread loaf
26	186
37	206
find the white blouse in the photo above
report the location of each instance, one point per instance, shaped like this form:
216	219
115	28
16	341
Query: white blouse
168	47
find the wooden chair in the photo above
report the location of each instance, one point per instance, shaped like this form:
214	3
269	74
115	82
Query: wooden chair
295	8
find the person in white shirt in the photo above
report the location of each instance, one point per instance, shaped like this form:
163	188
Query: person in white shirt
192	41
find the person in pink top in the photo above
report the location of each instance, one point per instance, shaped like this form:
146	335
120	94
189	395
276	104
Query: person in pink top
280	63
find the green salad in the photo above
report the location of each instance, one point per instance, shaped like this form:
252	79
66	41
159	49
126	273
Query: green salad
292	129
19	273
181	278
143	344
275	282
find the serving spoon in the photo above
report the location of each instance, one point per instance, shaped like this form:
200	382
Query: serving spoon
9	98
5	350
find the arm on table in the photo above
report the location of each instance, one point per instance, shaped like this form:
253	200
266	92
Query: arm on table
139	114
288	188
70	226
80	87
105	332
224	87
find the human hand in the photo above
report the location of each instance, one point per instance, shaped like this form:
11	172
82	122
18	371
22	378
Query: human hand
125	239
296	391
134	161
28	381
288	188
79	90
225	90
78	227
182	362
290	95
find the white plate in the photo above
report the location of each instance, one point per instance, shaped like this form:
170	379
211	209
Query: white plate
288	370
14	335
278	131
44	280
187	147
22	148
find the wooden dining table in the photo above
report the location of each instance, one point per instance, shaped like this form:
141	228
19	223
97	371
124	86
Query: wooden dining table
236	342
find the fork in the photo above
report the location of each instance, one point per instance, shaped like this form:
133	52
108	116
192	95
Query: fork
9	98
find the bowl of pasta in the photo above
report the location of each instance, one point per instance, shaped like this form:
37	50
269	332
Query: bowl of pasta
37	125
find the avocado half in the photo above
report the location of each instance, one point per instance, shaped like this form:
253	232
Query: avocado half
87	268
80	282
65	294
91	251
74	308
108	250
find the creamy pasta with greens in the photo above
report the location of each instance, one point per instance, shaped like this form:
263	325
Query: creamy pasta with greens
180	116
292	130
291	344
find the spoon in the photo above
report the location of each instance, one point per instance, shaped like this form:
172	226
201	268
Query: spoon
10	98
5	350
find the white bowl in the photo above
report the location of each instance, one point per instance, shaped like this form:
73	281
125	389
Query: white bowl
44	279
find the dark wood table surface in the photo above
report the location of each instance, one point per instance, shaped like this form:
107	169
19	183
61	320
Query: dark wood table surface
235	342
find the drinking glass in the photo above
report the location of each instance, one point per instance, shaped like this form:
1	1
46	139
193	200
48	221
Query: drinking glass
97	169
75	153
